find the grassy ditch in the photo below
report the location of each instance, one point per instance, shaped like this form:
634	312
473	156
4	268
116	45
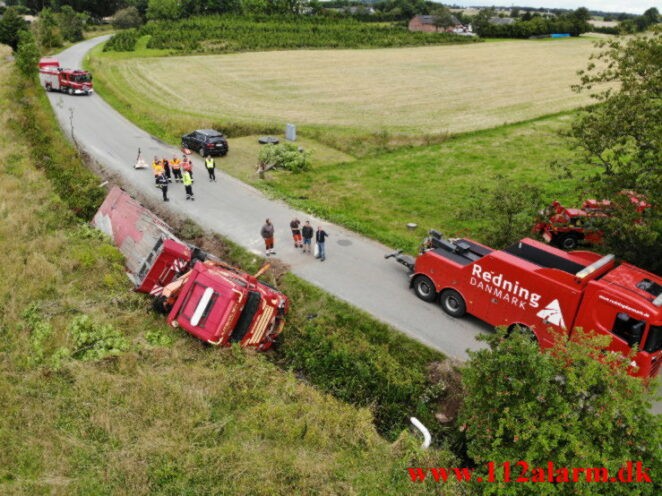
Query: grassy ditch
99	396
339	349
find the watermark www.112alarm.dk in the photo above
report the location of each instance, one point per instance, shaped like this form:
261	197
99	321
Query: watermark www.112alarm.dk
521	471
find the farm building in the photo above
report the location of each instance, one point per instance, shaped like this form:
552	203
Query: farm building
426	23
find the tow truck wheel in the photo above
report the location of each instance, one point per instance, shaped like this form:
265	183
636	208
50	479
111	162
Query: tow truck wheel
569	242
522	329
452	303
424	288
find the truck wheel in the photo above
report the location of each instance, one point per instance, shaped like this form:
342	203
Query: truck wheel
452	303
424	288
71	91
49	88
202	152
569	242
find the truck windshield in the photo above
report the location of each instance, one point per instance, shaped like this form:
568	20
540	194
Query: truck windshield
81	78
654	340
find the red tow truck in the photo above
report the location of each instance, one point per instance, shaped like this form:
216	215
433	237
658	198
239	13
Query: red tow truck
206	297
537	287
568	227
55	78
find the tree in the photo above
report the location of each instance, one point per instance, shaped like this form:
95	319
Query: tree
71	24
127	18
27	54
47	30
11	25
564	406
622	139
511	210
164	10
514	12
581	14
442	17
652	16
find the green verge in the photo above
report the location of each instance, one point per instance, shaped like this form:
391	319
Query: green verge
341	349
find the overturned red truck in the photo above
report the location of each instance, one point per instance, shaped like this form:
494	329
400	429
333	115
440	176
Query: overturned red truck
55	78
209	299
538	287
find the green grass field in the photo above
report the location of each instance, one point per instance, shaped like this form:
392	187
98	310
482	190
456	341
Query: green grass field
427	185
404	91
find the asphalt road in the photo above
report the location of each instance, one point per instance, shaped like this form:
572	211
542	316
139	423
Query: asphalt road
355	269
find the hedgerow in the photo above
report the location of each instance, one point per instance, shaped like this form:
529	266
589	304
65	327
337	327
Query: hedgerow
235	33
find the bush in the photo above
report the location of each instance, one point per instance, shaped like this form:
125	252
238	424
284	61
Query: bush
71	24
27	55
127	18
564	406
284	156
124	41
94	341
11	25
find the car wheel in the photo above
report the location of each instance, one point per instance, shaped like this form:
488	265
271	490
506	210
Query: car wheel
569	242
202	151
424	288
452	303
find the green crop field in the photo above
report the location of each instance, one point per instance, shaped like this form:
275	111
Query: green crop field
403	91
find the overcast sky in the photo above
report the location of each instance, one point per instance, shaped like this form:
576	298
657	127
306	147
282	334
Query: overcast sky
631	6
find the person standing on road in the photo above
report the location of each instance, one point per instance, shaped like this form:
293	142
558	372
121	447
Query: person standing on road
320	238
307	233
188	185
211	166
157	167
176	165
267	233
162	182
187	165
166	168
295	226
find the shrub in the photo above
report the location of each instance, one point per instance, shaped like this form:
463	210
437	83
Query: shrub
71	24
284	156
124	41
95	341
27	55
11	25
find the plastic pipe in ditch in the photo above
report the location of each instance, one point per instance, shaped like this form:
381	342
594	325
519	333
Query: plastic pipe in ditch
427	438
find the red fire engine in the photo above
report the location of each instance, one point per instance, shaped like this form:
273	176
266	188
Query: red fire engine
55	78
214	301
538	287
568	227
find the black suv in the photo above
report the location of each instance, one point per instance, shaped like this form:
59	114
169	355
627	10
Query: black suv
206	142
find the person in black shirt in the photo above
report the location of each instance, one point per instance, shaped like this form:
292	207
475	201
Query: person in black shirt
307	232
320	237
295	226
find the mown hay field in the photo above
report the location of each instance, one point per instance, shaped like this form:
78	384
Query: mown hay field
428	90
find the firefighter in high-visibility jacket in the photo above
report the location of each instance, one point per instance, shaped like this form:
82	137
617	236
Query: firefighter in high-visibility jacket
187	165
211	166
157	167
176	166
188	184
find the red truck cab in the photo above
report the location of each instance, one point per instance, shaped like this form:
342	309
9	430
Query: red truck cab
538	287
222	305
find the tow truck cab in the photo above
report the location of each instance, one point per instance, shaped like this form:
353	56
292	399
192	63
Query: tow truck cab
539	287
222	305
